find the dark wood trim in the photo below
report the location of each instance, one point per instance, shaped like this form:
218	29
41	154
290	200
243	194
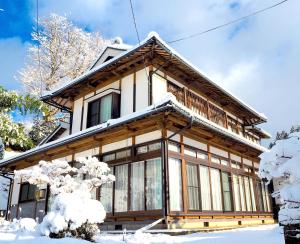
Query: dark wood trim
134	92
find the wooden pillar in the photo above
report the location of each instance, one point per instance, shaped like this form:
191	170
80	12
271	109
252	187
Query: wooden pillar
183	179
165	180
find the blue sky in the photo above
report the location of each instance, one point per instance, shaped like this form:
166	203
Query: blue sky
256	59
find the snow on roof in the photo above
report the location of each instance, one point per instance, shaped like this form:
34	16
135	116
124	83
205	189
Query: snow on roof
167	48
169	101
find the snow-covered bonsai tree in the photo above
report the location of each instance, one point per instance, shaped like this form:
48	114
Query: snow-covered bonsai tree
282	164
73	211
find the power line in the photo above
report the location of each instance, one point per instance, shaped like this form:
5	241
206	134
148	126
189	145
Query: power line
134	21
139	40
228	23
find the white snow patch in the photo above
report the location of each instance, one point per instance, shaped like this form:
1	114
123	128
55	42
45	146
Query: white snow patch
258	235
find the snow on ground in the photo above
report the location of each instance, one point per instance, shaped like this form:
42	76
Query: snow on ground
258	235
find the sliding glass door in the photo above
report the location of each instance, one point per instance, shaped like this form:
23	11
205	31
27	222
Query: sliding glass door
175	184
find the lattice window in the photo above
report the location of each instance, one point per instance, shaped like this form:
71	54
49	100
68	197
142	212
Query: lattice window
217	115
177	91
196	104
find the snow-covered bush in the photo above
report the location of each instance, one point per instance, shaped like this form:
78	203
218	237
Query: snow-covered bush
73	211
282	163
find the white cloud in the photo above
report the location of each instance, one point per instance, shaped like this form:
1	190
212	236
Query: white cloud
259	63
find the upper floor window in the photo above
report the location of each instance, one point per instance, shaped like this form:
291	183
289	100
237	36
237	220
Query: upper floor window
103	109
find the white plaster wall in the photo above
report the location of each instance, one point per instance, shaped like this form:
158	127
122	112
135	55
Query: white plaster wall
141	89
86	153
89	95
218	152
159	88
116	145
108	52
175	81
66	158
127	95
174	138
256	165
194	143
235	157
154	135
114	85
77	115
247	162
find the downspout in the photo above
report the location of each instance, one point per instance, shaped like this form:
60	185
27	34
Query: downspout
165	167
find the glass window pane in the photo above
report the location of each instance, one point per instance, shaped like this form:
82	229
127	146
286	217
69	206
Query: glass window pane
154	146
226	192
105	108
137	186
106	196
93	113
123	154
224	162
242	193
31	192
190	152
121	188
260	199
252	195
215	160
202	155
216	189
175	184
193	187
153	184
174	147
264	196
205	188
142	149
237	196
109	157
247	193
268	198
24	192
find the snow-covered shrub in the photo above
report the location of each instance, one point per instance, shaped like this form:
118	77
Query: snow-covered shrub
282	163
73	211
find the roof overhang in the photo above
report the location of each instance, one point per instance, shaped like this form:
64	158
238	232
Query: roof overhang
156	52
137	123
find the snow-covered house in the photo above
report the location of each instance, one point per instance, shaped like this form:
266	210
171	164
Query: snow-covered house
181	147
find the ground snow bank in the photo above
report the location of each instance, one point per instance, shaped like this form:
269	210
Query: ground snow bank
259	235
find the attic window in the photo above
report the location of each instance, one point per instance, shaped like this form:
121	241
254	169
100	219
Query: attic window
108	58
103	109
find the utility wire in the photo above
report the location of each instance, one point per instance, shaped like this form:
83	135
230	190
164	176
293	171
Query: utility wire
228	23
134	21
139	40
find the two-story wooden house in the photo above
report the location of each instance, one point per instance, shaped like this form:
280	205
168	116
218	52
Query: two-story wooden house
191	158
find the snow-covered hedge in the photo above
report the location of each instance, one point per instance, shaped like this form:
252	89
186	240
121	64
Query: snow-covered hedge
282	163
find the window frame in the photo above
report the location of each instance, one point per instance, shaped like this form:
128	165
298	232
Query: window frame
22	186
115	108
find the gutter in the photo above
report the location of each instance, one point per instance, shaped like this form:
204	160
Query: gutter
163	107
